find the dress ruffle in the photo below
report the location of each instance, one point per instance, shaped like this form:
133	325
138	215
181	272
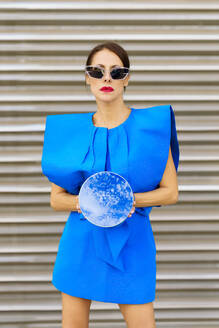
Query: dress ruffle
109	242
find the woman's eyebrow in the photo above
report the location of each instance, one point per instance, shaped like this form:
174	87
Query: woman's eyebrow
104	66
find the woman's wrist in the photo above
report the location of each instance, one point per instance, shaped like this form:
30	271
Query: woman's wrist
134	201
77	204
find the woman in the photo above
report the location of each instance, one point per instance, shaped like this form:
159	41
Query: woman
115	264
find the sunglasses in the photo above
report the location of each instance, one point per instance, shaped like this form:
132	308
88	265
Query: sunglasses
117	73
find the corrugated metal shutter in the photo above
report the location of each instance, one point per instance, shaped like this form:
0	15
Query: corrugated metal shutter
174	53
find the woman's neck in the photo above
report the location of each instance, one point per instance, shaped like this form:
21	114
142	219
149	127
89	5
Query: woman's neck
109	119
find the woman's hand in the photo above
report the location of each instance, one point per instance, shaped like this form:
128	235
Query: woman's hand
132	210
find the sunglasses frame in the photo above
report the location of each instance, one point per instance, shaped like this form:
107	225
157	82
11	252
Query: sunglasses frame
103	71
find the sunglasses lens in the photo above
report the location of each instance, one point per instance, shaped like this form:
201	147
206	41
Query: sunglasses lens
119	73
95	72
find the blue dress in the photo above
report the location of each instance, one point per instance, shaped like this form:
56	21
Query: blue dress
109	264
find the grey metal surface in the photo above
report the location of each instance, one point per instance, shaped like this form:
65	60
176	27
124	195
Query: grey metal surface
174	54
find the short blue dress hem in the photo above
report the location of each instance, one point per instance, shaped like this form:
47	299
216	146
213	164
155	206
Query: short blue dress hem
87	296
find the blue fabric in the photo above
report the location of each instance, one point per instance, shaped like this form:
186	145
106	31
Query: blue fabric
116	264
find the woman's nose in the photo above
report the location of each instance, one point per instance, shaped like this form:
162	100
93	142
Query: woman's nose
107	75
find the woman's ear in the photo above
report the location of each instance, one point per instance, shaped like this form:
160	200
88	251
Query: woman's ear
127	81
87	82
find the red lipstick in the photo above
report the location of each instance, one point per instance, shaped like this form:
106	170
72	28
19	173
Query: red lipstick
106	89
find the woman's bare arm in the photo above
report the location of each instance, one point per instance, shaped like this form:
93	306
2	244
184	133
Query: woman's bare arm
61	200
167	193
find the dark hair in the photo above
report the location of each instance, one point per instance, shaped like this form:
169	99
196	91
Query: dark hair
114	47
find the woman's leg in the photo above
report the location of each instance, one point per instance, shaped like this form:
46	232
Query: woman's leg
75	311
138	315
